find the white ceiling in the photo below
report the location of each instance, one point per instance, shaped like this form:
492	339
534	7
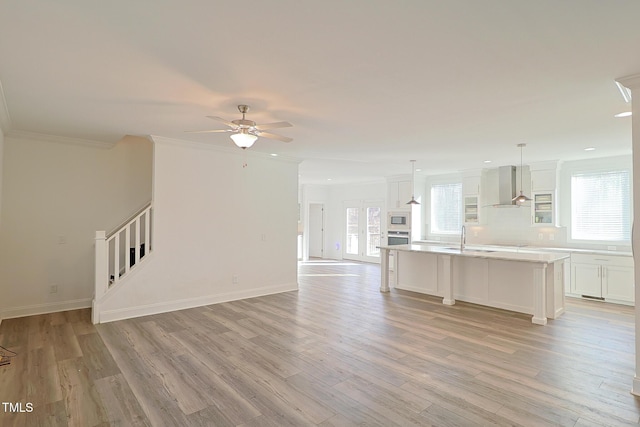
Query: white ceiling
367	84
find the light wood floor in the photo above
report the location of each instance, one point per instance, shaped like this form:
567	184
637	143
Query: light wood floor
337	352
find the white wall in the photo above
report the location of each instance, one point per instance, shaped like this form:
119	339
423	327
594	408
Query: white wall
213	219
633	83
1	168
56	193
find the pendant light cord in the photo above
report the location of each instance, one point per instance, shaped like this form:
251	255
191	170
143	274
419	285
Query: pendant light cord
521	145
413	179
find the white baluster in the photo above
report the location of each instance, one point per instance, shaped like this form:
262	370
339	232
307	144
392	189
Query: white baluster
147	229
127	248
137	237
116	258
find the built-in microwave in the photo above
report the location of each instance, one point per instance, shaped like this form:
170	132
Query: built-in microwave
399	221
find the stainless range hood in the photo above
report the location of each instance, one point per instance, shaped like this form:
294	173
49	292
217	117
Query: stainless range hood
506	187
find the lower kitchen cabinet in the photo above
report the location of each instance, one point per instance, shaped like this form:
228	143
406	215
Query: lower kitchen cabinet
606	277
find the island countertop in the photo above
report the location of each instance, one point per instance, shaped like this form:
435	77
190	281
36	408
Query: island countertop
530	282
528	256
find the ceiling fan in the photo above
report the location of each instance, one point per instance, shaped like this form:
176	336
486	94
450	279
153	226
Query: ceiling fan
245	132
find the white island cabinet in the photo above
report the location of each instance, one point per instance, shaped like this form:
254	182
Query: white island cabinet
606	277
530	283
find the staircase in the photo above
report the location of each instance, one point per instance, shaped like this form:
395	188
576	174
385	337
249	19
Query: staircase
120	252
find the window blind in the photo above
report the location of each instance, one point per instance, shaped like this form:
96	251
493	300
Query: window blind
446	208
601	206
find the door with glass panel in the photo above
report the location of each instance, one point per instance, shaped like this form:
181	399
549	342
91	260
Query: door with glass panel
363	231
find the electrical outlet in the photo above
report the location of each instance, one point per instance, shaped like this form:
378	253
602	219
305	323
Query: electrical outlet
234	279
263	237
475	234
53	289
540	236
62	240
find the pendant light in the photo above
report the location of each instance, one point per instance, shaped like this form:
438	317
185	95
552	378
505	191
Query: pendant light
521	198
413	200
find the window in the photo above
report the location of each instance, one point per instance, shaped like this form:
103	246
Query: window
601	206
446	208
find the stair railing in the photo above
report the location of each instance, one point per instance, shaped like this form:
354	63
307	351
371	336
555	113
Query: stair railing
120	251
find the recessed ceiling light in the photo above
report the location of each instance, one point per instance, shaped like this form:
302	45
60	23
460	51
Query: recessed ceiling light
274	155
418	170
589	149
623	114
487	161
328	179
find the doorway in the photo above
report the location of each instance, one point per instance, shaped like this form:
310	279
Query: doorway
363	231
316	230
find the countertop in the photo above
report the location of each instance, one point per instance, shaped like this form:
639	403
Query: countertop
528	255
527	248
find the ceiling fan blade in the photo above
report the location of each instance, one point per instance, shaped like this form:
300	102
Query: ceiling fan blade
209	131
274	125
226	122
274	136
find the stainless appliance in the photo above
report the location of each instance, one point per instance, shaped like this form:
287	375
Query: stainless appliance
399	221
398	237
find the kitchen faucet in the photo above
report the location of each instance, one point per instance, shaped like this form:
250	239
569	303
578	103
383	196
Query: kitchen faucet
463	238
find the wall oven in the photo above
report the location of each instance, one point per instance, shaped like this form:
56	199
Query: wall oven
398	237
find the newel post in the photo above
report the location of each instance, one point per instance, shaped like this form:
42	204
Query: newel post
101	272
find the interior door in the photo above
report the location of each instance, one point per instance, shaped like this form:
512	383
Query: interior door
363	231
316	230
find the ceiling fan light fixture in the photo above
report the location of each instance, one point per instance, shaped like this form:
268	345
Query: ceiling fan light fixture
243	139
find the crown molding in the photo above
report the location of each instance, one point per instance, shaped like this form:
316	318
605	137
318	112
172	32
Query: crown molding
5	118
632	82
229	150
41	137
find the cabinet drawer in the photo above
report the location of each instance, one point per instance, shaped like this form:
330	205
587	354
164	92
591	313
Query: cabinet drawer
617	260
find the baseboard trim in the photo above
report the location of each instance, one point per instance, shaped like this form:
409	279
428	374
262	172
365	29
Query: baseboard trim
164	307
51	307
418	290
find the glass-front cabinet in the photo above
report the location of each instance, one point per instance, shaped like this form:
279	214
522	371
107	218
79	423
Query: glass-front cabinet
471	210
543	208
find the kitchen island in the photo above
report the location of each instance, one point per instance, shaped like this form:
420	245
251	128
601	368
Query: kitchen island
528	282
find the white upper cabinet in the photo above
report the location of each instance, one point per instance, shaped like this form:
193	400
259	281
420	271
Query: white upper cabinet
398	194
543	187
544	176
471	185
544	208
471	197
